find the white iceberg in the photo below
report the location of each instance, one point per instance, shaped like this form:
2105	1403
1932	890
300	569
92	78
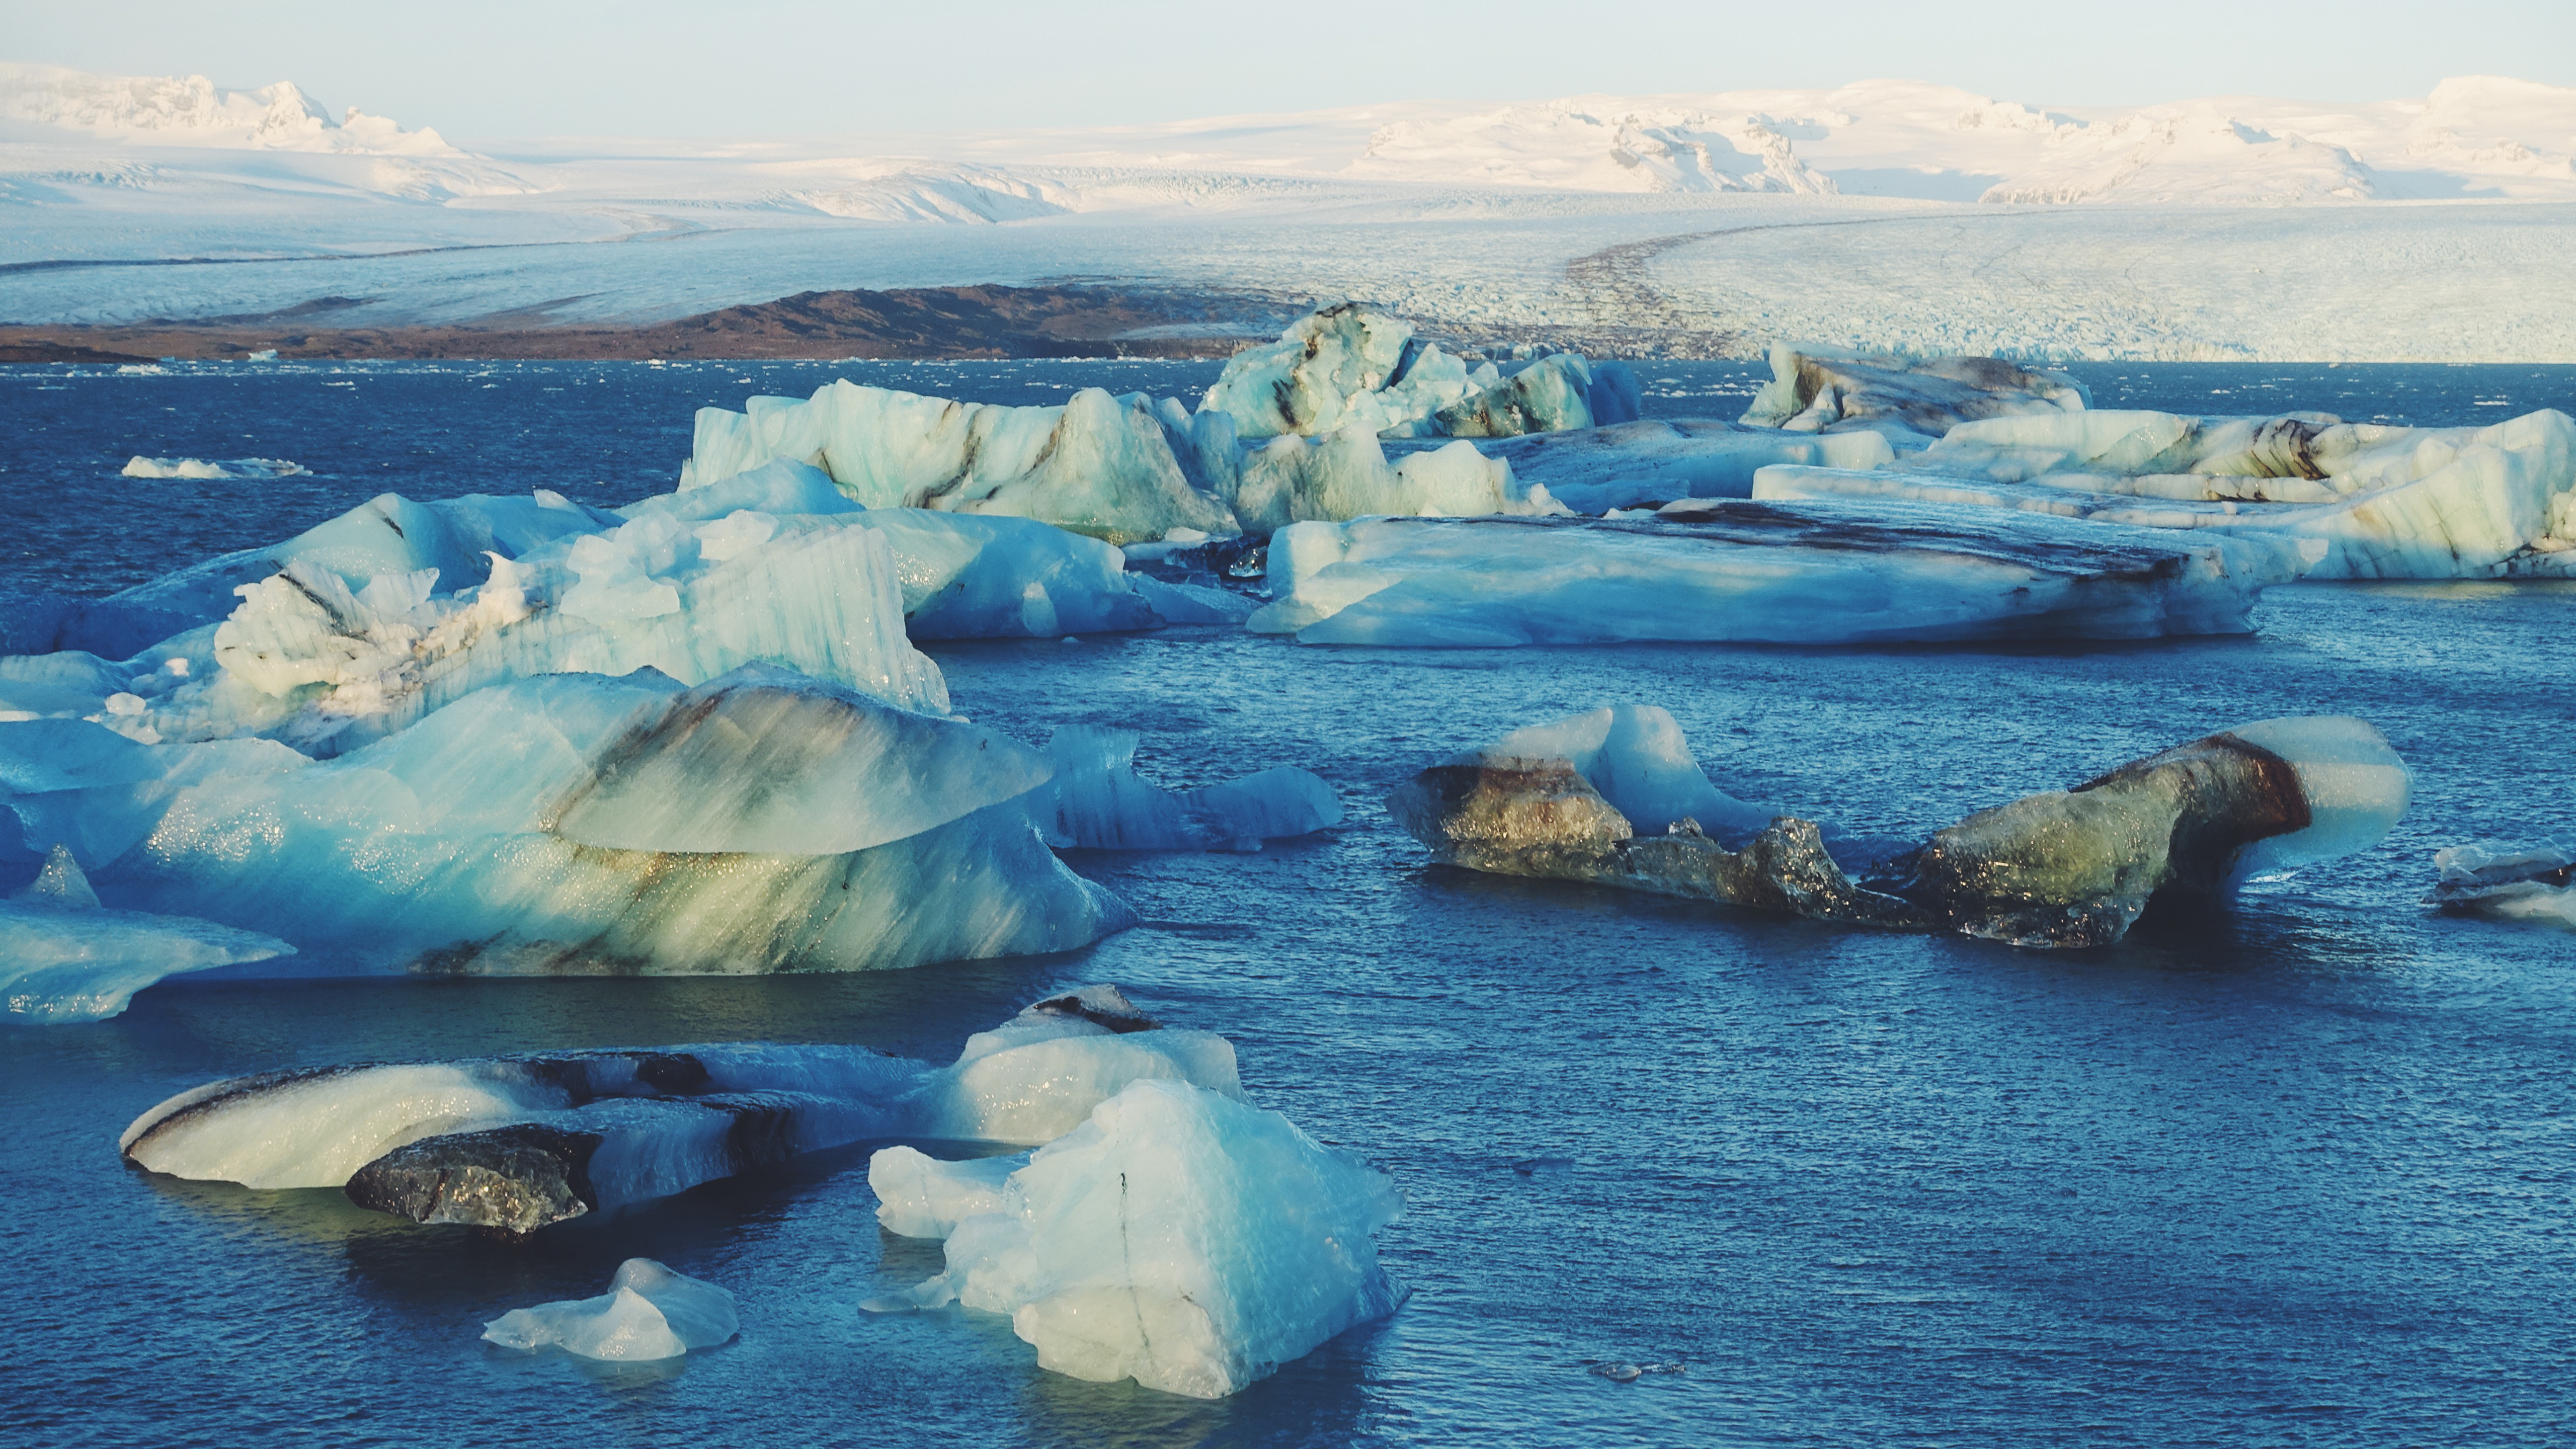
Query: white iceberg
1654	462
1346	474
571	822
518	1143
648	1313
1911	399
1810	573
1096	464
2508	881
920	1196
1096	801
139	466
65	958
2376	501
1179	1237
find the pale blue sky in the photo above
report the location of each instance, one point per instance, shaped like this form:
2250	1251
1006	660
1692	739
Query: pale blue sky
477	69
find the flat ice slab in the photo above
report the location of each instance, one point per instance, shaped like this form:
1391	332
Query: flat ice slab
1752	572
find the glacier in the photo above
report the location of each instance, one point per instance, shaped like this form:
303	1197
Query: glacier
2507	881
2069	868
515	1144
2375	501
649	1312
1180	1237
1096	801
1741	571
573	822
66	958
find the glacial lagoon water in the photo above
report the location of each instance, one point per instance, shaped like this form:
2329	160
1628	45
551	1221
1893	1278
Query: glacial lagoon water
2296	1173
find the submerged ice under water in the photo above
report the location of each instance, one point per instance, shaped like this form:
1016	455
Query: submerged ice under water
2290	1174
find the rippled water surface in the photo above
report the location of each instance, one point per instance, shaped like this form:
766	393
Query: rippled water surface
2298	1173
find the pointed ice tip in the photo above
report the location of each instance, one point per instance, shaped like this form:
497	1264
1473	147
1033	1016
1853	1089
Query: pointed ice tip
61	883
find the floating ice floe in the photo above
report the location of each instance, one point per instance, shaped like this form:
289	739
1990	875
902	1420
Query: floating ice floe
764	821
517	1143
2507	881
1760	572
1654	462
1096	801
2380	501
648	1313
1348	366
1179	1237
1912	400
139	466
1096	464
2064	868
64	957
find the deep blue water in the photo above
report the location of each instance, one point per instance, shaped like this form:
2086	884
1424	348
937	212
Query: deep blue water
2298	1173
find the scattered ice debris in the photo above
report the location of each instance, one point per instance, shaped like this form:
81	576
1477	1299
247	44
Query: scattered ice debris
764	821
2375	501
1805	573
2063	868
65	958
1179	1237
1096	464
141	467
1096	801
1912	400
517	1143
2509	881
648	1313
1654	462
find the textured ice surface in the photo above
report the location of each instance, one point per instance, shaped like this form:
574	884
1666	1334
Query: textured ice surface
724	819
1655	462
1097	465
1346	475
2060	868
1345	366
521	1142
648	1312
1179	1237
1096	801
2376	501
2508	880
65	958
1759	572
1913	399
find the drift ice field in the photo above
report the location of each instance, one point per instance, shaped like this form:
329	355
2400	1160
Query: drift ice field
1584	843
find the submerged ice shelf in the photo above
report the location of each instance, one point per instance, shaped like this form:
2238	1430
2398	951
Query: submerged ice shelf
1614	798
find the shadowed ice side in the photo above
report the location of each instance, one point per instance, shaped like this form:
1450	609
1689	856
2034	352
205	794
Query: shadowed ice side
514	1144
2064	868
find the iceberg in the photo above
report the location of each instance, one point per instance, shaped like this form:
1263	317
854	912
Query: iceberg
2507	881
2059	869
514	1144
1652	463
2374	501
648	1313
1096	801
920	1196
1741	571
1096	464
1913	400
571	822
1346	475
1554	392
1179	1237
139	466
65	958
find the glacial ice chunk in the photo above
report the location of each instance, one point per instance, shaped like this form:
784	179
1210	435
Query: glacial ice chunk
1913	399
2508	881
919	1196
1096	801
1341	367
1552	393
1346	475
1636	756
65	958
1035	1077
1179	1237
2060	868
1759	572
649	1312
139	466
1096	464
1652	463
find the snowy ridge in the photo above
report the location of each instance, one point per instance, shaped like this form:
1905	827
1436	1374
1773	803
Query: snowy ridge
192	111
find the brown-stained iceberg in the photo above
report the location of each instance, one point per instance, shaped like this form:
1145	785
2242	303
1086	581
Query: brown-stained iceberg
2063	868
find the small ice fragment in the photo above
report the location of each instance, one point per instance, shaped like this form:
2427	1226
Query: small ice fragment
648	1313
